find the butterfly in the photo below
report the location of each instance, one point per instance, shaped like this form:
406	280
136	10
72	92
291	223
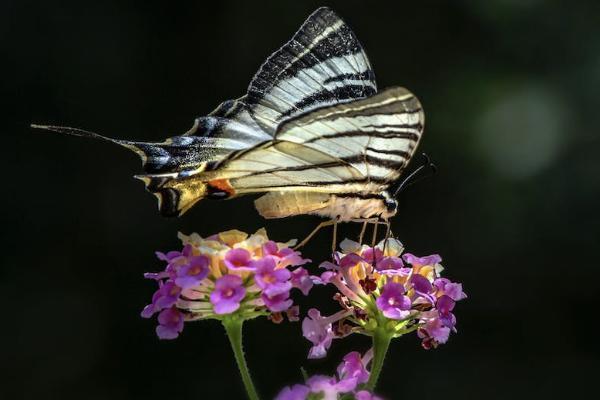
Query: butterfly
312	134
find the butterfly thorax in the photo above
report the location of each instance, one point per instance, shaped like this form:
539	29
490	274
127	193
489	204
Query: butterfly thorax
350	206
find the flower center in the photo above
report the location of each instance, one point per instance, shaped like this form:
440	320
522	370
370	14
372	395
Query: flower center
238	263
269	278
195	270
228	292
392	301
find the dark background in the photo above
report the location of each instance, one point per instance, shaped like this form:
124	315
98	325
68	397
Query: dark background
510	90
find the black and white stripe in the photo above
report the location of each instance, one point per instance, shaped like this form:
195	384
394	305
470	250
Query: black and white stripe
323	64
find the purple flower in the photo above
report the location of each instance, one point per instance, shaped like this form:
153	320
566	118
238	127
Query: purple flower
277	302
392	301
302	280
348	261
171	323
422	261
325	278
389	264
366	395
433	330
372	255
238	260
423	288
166	296
157	276
353	368
285	257
192	273
172	255
272	281
445	305
317	329
329	387
227	294
296	392
454	290
350	374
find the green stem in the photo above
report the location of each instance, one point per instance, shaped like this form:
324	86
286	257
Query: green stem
233	328
381	343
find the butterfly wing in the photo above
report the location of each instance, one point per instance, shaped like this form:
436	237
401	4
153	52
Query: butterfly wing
233	150
377	135
323	64
356	147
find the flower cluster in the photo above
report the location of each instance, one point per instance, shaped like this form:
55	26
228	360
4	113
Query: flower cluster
351	374
380	288
223	274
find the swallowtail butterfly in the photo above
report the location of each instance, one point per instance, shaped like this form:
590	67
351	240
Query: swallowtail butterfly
312	132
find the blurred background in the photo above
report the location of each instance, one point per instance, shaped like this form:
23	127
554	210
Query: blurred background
510	91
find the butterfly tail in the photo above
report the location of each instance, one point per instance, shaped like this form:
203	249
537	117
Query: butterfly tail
172	169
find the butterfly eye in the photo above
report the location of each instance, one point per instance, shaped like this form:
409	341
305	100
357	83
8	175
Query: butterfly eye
391	205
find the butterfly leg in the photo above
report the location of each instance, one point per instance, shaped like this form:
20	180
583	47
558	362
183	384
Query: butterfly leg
314	232
365	222
362	231
334	241
387	235
374	239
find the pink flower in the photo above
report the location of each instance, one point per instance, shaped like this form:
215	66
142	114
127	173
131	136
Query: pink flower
433	331
170	323
353	368
228	293
272	281
296	392
302	280
166	296
451	289
238	260
319	331
192	273
284	257
230	272
351	373
392	301
277	302
422	261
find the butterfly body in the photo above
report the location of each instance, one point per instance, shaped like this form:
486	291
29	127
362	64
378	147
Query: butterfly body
312	132
343	207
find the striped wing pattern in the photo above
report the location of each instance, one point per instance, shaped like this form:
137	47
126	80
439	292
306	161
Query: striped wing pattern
377	135
323	64
311	120
361	146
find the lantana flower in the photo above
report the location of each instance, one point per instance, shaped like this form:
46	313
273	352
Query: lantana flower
385	294
230	273
351	376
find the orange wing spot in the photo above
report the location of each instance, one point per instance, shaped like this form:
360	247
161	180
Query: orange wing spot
221	185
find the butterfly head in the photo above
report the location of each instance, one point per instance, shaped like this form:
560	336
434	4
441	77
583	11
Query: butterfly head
391	205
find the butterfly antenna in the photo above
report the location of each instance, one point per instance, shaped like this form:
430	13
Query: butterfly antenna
412	178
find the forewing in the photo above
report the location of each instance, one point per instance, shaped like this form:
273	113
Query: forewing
323	64
377	135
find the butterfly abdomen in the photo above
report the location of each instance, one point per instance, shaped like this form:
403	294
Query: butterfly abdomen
344	206
287	204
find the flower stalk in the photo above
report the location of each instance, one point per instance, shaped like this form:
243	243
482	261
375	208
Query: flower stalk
381	343
233	327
